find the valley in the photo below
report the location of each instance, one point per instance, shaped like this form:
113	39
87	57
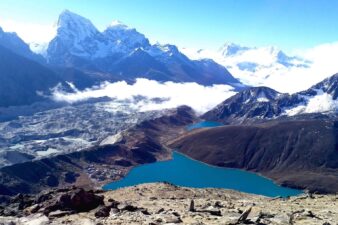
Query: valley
107	124
66	129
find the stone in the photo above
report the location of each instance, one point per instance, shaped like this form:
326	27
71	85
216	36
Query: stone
244	215
59	213
102	211
192	206
77	200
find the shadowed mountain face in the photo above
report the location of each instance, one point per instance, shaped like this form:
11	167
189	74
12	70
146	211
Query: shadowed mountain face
300	154
126	54
22	80
262	103
18	46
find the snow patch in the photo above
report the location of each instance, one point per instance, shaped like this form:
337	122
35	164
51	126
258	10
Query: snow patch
320	103
48	152
262	98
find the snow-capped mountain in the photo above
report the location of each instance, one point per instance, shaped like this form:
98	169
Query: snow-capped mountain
252	65
230	49
123	39
259	103
76	36
126	54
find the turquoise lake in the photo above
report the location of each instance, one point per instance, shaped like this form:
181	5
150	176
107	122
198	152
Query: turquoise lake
183	171
203	124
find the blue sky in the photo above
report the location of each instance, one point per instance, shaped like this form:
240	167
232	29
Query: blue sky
288	24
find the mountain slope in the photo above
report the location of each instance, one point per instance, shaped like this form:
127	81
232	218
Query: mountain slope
18	46
23	81
299	154
126	54
262	103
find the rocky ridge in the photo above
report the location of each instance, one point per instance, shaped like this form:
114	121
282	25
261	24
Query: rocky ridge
258	104
163	203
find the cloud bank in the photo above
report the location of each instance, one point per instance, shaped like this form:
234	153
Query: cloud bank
169	94
29	32
321	63
324	64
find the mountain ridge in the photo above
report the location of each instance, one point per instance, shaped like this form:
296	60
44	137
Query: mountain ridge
263	103
79	44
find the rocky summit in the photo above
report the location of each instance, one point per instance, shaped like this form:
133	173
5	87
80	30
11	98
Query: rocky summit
163	203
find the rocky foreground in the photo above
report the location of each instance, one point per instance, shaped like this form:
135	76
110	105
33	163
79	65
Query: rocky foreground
163	203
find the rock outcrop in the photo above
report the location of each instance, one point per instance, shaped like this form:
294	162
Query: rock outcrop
163	203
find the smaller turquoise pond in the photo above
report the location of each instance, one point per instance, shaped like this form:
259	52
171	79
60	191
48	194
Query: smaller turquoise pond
204	124
184	171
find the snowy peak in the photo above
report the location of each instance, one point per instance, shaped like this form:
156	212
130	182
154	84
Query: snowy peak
166	49
123	52
124	38
254	66
256	95
76	36
229	49
116	24
261	94
75	26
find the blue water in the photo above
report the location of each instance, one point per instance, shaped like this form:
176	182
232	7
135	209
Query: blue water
183	171
204	124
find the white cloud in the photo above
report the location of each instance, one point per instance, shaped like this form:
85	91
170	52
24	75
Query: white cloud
29	32
322	58
324	64
200	98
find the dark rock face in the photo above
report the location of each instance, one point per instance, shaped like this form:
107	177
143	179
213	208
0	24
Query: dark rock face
301	154
77	200
258	104
53	203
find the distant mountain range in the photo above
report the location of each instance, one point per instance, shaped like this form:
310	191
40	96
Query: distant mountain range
84	56
252	65
126	54
261	103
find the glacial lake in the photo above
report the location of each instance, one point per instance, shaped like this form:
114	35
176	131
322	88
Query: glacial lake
183	171
203	124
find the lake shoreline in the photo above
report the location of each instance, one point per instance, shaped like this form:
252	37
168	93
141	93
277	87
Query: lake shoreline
241	178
